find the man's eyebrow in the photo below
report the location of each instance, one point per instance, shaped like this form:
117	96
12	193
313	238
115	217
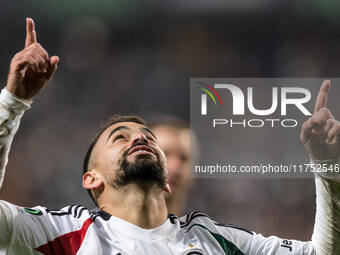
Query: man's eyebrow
117	129
149	131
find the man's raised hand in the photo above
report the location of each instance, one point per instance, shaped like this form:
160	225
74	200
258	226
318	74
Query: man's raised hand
321	132
31	69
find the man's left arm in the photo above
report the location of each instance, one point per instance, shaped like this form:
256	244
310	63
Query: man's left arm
320	135
326	234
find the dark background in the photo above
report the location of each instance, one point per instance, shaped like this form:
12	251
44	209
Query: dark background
136	57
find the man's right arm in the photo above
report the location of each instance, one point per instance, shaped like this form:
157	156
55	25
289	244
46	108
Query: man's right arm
11	110
30	71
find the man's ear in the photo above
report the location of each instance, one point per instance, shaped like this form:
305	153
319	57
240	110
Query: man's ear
92	180
167	188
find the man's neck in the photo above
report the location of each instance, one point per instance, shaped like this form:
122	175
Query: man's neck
175	203
142	206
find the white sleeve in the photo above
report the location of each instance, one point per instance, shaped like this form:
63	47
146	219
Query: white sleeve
29	230
21	228
236	240
11	110
260	245
326	234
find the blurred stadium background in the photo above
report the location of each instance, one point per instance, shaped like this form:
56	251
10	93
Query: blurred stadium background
134	57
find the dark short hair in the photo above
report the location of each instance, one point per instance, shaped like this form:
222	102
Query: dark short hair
106	124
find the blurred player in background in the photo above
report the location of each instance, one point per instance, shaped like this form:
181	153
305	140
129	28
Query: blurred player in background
173	136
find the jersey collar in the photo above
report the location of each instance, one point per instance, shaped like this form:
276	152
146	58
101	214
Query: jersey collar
134	231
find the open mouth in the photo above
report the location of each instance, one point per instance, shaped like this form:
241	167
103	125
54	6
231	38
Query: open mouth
141	148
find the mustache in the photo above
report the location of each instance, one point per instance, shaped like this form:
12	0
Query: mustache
139	143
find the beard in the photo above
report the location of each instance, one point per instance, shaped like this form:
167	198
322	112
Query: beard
144	171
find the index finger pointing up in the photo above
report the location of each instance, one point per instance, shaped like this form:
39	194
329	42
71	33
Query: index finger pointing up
31	36
321	99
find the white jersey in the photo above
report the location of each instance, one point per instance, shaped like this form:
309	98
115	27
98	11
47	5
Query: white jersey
76	230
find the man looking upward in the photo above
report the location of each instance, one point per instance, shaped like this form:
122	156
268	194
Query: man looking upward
126	173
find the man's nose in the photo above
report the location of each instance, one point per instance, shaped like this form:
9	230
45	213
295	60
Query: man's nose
140	138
